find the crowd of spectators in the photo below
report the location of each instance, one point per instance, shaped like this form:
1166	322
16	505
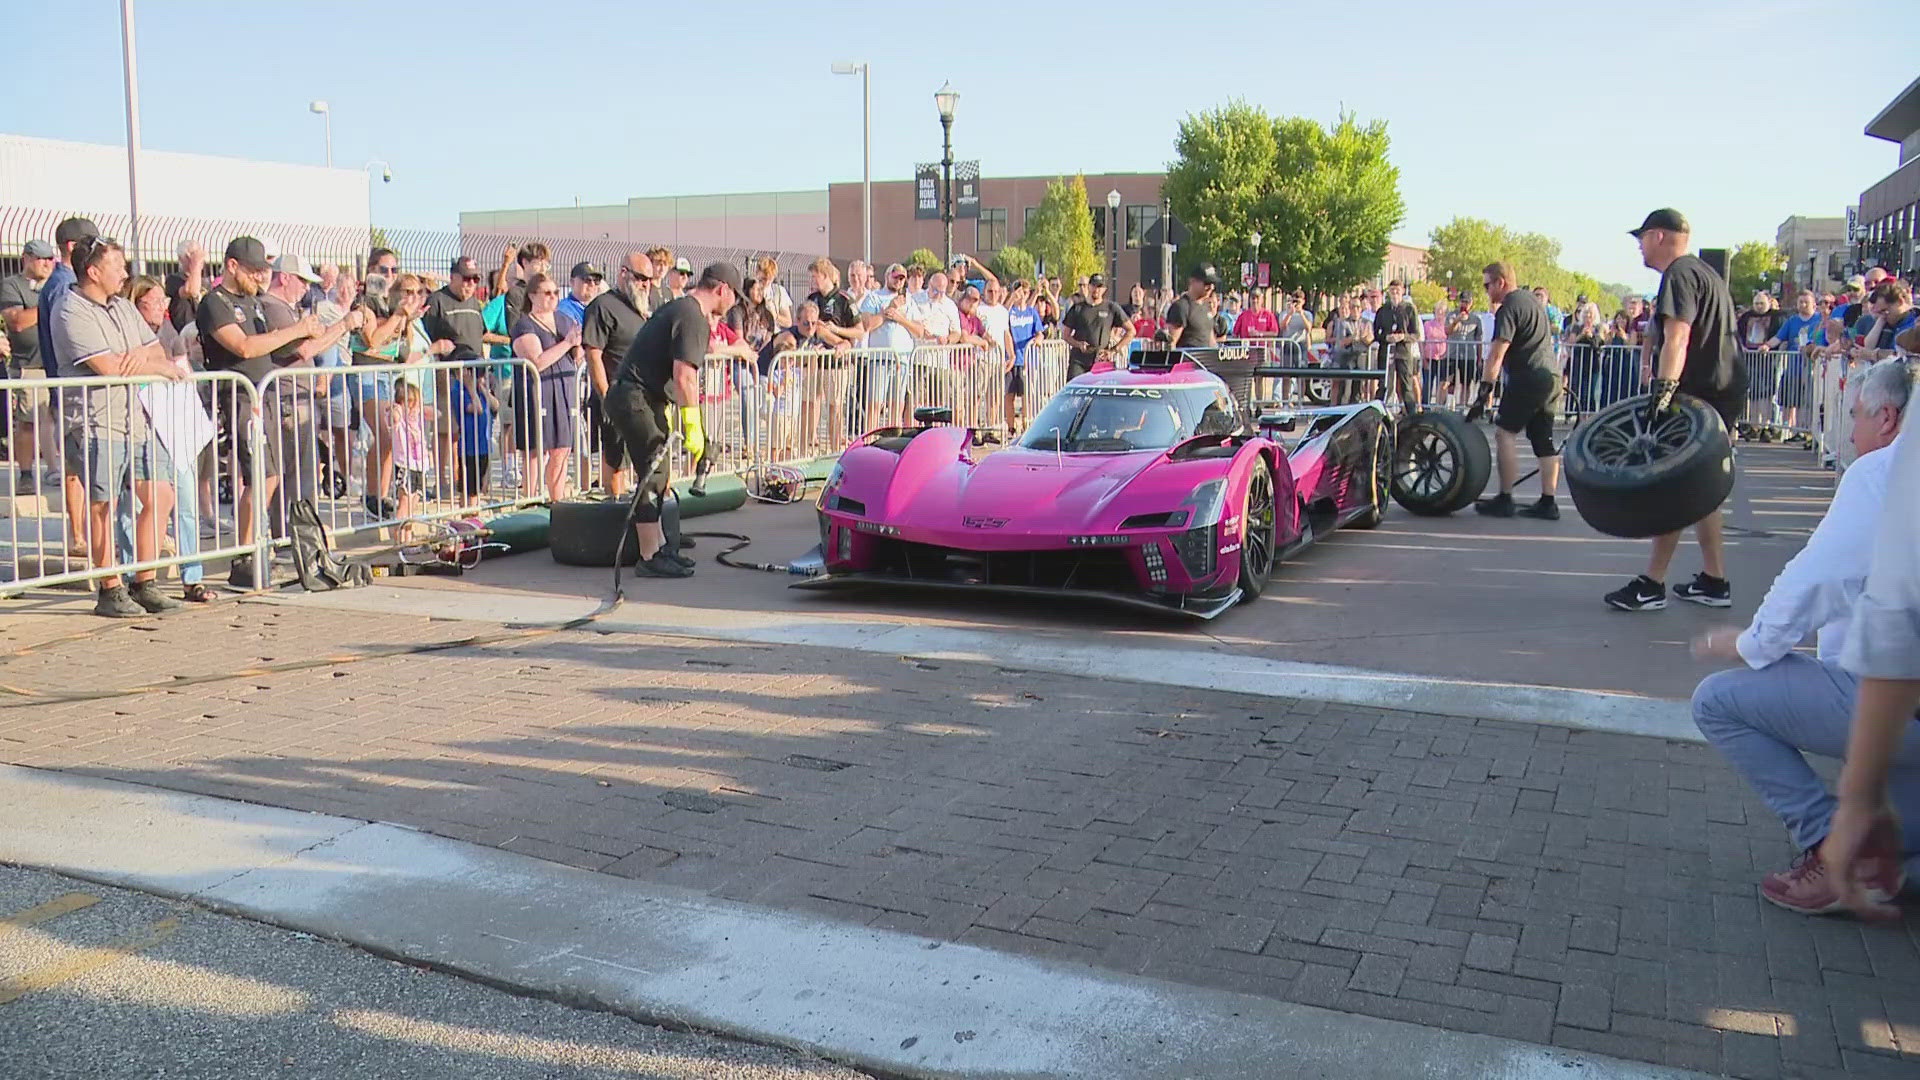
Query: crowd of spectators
388	439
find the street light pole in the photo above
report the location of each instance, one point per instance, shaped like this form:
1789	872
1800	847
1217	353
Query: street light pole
133	133
1113	239
864	70
325	111
944	99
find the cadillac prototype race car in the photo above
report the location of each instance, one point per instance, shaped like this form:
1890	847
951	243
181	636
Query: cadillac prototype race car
1149	487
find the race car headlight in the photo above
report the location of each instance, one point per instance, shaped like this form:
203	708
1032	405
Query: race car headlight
1156	563
1206	503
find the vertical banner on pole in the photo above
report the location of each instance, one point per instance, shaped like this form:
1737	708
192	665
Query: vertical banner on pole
926	192
966	189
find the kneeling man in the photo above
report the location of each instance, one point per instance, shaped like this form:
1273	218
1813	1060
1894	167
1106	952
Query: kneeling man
1766	716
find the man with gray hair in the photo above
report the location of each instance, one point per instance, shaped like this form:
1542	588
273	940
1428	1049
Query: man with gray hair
1783	704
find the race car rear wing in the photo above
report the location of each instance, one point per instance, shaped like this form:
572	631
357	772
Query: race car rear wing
1278	372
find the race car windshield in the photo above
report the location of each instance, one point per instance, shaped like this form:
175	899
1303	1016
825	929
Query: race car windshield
1121	419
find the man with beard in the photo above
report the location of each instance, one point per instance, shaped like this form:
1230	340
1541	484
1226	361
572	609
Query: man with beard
607	331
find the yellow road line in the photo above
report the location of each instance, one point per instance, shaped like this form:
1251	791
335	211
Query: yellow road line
52	909
86	960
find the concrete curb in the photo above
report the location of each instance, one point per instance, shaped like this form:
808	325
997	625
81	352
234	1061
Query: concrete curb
884	1001
1199	669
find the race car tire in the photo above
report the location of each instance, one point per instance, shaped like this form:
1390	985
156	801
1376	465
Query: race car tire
1441	463
586	532
1634	480
1380	461
1260	534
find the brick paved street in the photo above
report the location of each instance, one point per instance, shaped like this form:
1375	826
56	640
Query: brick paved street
1559	886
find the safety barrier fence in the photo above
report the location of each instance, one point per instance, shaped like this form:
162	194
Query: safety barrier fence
124	475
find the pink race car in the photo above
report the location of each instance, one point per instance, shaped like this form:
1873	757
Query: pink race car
1147	487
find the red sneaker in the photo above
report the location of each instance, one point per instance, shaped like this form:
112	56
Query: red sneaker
1806	888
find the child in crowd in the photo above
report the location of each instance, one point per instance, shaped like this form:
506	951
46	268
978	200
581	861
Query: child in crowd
474	403
406	428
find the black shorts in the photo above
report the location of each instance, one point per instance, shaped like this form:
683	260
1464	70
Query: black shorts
640	419
602	436
1078	366
1729	401
1530	404
1016	382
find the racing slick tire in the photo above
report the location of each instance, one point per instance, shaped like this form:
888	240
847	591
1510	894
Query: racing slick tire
1633	479
586	532
1441	463
1380	462
1259	537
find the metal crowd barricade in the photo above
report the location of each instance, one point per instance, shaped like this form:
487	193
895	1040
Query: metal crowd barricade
1046	372
1780	393
453	455
133	473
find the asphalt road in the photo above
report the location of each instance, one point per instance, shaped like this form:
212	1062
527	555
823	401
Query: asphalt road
105	983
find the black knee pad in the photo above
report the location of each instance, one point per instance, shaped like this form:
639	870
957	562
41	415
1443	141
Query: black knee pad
1542	444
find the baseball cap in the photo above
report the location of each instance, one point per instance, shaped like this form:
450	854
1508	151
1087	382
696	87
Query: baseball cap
586	270
250	253
1096	279
464	266
681	264
1857	281
73	230
724	272
1205	272
1664	218
38	249
297	266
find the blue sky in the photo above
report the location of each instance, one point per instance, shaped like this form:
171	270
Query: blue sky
1739	113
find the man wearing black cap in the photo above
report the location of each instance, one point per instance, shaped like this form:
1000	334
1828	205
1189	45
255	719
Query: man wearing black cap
586	280
1096	329
1189	322
662	368
1690	348
607	330
455	319
20	318
234	336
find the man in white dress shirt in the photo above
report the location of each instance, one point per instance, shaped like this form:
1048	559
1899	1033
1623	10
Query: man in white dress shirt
1784	704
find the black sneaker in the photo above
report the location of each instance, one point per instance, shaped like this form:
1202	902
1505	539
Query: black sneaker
1545	509
147	595
240	574
114	603
1707	590
380	509
1498	506
663	564
26	483
1641	594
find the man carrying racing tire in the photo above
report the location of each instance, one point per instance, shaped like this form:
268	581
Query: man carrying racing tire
1690	350
1523	346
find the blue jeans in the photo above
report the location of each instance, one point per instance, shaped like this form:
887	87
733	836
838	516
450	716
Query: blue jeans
1764	722
186	501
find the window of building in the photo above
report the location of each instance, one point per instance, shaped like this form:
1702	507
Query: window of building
1026	219
1139	220
990	233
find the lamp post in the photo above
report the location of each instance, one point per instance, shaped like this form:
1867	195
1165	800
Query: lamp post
1251	273
860	68
944	99
322	108
386	177
133	133
1113	239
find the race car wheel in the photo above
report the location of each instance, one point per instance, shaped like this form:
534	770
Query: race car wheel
1380	480
1258	545
1441	463
1635	477
1317	391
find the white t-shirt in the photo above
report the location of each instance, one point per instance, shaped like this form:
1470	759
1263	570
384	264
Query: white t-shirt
943	318
780	303
993	319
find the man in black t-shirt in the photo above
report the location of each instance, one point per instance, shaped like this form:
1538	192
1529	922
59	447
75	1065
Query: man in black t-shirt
1090	326
234	336
1690	348
529	260
1523	348
1189	321
662	367
453	317
1396	332
612	321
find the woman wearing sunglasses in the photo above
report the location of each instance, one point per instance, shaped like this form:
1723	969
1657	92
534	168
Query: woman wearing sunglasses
546	408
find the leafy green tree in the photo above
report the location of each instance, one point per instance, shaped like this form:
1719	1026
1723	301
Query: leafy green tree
1754	266
1060	236
925	259
1011	263
1324	200
1467	245
1425	293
